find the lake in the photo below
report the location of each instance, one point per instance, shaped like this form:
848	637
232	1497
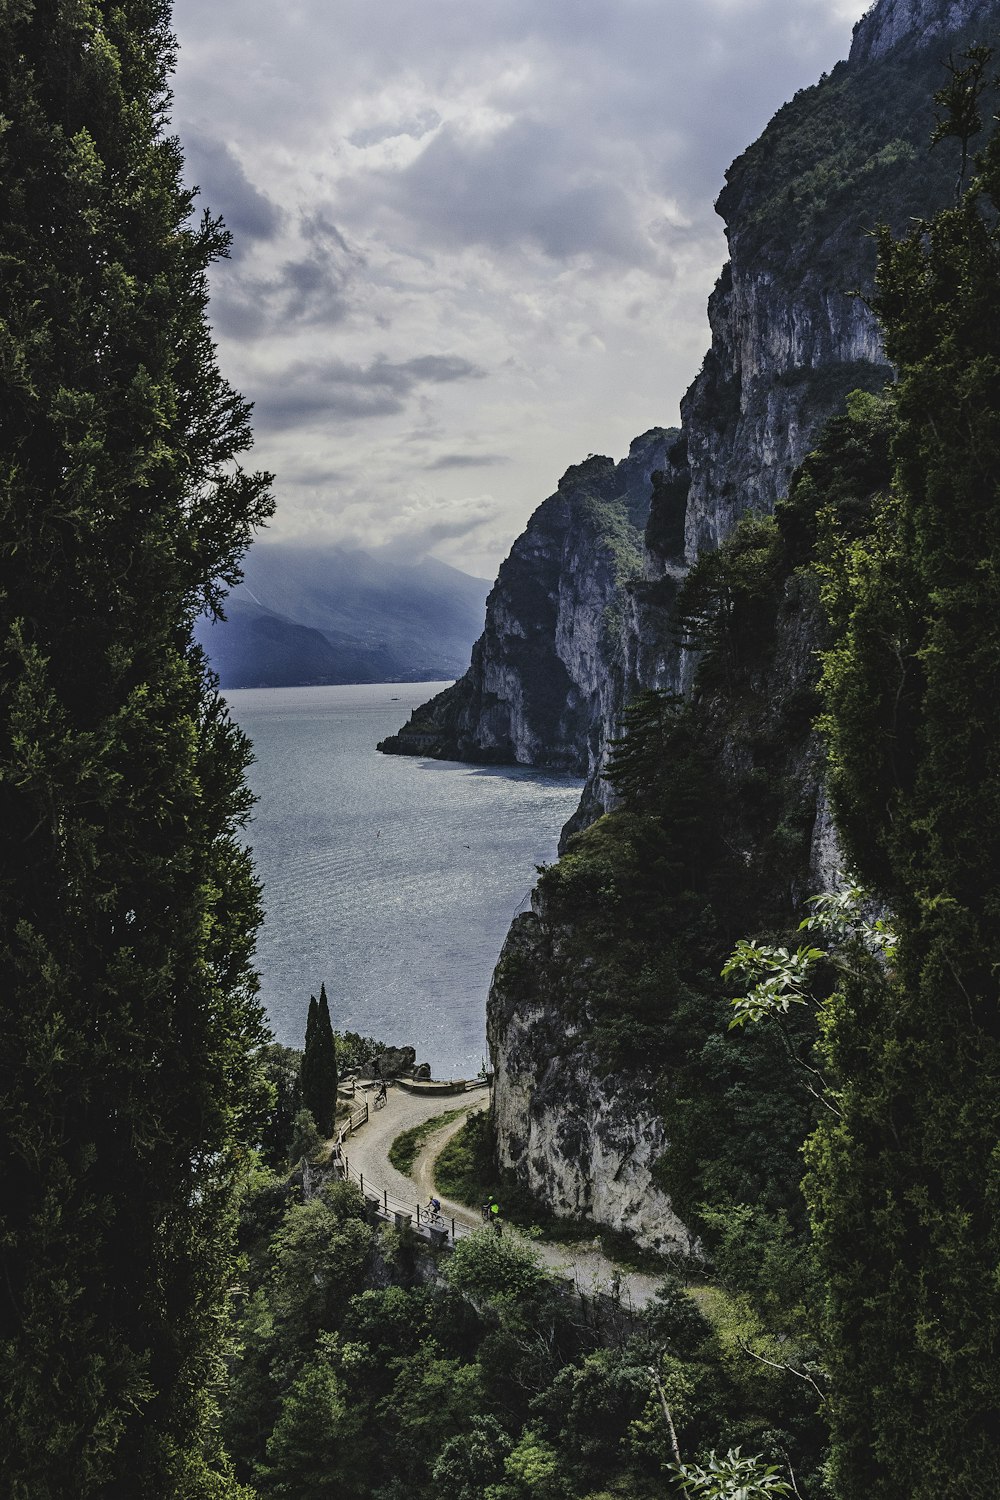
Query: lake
393	879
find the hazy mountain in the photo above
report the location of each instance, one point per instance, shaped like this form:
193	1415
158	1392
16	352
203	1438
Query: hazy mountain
306	614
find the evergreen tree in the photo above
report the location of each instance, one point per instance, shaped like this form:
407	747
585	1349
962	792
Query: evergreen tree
319	1065
307	1071
905	1184
128	904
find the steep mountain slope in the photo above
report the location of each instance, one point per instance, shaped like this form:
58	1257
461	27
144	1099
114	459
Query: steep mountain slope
542	670
607	993
328	614
792	334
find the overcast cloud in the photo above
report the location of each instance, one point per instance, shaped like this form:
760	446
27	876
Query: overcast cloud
473	239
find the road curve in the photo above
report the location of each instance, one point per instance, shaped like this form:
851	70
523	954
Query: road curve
368	1150
368	1154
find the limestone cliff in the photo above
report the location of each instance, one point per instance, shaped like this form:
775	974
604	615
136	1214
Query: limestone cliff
791	336
792	332
584	1144
915	23
537	690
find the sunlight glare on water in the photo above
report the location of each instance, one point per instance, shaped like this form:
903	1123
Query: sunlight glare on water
393	879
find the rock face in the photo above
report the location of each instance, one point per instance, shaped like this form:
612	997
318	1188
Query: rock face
782	359
790	339
916	22
581	1143
535	693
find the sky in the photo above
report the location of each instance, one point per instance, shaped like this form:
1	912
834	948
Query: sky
473	240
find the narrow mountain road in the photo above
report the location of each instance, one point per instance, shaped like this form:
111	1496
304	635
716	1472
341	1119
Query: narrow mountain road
368	1150
368	1154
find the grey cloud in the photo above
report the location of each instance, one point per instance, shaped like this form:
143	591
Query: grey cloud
419	536
414	126
441	368
312	289
468	461
248	213
339	391
528	184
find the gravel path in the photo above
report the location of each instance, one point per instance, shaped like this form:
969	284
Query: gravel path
368	1150
368	1153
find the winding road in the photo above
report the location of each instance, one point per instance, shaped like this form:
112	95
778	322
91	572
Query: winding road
367	1151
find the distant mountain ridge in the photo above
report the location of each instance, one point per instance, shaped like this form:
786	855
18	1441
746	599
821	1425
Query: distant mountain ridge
306	615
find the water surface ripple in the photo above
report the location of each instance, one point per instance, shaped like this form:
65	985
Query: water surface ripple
392	879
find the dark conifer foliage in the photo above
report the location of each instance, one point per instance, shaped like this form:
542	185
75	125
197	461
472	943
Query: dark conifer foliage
906	1183
319	1065
128	904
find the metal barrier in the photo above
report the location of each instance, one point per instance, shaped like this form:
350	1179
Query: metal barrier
383	1203
403	1214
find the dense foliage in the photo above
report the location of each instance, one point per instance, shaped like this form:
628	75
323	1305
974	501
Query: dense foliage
851	152
905	1185
361	1370
128	904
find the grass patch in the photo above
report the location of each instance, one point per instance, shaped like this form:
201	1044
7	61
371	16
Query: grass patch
405	1148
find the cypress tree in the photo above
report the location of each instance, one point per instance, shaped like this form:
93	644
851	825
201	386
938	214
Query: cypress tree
319	1065
308	1069
905	1185
128	904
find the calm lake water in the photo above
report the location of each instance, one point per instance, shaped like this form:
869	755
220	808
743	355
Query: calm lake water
392	879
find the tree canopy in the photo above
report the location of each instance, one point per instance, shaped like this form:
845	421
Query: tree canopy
905	1183
128	903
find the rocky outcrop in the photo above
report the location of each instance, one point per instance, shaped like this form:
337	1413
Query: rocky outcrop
782	360
584	1144
537	688
791	336
892	23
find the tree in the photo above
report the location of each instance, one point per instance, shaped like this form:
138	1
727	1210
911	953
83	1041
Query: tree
309	1452
128	903
905	1183
319	1065
307	1088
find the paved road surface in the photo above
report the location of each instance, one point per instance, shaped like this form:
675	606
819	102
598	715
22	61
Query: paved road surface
368	1153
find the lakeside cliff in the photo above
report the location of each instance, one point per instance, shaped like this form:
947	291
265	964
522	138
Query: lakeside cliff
607	1022
542	671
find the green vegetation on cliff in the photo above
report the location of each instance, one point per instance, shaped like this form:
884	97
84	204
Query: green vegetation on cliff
849	153
905	1184
713	838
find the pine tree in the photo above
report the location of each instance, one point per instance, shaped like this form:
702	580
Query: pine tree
128	904
906	1183
319	1065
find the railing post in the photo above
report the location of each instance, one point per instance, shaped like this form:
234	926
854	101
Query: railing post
453	1231
362	1181
385	1198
